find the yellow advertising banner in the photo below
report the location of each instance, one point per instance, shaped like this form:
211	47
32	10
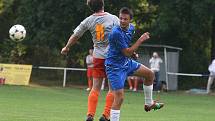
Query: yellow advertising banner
15	74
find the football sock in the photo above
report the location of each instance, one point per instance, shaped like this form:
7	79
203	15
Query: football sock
92	102
114	115
108	104
148	94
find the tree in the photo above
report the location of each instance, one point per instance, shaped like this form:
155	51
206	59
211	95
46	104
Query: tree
187	24
49	26
11	52
213	39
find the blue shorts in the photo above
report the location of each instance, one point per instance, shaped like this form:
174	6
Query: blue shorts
118	75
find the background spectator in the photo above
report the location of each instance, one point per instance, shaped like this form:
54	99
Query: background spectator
211	78
155	62
89	62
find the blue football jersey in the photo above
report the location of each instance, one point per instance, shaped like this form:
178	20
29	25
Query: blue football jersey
118	39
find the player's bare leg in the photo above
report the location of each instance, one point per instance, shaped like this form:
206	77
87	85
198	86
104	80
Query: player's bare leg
148	88
118	100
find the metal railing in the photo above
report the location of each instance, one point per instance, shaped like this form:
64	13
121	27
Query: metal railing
61	68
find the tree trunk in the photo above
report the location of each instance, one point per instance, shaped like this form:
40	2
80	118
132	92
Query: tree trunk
213	39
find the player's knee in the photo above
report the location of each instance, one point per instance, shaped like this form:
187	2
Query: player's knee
97	83
150	76
118	96
118	102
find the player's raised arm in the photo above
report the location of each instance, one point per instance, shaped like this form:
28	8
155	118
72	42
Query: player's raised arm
129	51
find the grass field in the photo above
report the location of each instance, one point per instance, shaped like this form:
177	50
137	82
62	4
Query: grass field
21	103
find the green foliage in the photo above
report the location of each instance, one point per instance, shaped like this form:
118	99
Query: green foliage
49	26
11	52
188	24
6	17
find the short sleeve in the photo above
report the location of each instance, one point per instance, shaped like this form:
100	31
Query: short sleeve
116	21
81	28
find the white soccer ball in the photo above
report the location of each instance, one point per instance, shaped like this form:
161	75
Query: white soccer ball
17	33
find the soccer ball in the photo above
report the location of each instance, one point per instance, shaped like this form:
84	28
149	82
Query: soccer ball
17	33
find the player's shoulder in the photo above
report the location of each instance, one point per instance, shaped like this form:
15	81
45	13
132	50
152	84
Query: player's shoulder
116	29
87	20
107	13
112	16
131	26
114	32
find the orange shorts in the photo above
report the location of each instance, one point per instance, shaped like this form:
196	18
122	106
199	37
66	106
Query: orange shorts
99	68
89	72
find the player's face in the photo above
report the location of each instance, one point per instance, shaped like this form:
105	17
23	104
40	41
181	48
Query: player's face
124	20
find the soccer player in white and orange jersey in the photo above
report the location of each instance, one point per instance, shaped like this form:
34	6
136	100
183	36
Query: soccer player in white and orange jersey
100	24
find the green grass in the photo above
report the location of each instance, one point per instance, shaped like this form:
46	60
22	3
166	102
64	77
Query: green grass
21	103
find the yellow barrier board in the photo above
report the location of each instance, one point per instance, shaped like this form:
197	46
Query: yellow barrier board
15	74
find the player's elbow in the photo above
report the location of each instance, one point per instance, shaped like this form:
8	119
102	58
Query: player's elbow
127	52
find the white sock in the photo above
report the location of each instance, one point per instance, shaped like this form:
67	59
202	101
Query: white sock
148	94
114	115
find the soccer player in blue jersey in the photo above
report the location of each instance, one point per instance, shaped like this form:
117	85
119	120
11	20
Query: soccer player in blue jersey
119	65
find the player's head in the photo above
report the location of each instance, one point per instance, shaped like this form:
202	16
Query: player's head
96	5
125	16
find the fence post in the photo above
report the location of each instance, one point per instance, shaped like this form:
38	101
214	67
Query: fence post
64	77
166	67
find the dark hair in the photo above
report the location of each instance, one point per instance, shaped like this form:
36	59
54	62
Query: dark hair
95	5
126	10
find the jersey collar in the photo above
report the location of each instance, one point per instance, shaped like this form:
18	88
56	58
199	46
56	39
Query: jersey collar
100	14
126	28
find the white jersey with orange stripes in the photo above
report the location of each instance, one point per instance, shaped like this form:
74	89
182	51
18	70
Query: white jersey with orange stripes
99	26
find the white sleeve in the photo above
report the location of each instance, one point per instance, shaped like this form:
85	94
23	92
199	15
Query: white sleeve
87	60
81	28
150	61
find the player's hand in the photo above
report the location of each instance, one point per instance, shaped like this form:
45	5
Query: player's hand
145	36
65	50
135	56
